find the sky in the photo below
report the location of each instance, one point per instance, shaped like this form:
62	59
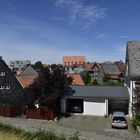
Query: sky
47	30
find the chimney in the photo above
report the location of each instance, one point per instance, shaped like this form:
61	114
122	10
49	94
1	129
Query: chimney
0	57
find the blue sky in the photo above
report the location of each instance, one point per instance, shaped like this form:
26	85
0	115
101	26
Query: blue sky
46	30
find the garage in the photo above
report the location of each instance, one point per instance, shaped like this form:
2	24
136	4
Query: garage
118	105
74	105
95	100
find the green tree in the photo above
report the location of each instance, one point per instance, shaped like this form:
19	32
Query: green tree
95	82
106	78
48	88
136	98
38	65
86	77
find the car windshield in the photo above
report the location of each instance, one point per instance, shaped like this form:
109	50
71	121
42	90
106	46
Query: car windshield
119	119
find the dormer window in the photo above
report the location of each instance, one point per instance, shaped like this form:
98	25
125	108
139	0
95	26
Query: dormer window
2	73
1	87
7	87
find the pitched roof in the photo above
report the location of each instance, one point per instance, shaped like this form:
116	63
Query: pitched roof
77	79
89	66
98	92
133	58
110	68
29	71
121	66
13	94
26	80
27	76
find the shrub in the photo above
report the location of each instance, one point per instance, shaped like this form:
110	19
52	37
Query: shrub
95	82
136	120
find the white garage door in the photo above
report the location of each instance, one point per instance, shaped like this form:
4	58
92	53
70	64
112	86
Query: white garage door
94	107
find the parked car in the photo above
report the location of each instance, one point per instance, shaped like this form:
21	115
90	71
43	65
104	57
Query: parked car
76	109
119	120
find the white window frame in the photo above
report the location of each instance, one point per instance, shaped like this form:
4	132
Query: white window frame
7	87
2	73
1	87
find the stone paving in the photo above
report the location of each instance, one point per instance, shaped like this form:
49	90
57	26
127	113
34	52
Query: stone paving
88	128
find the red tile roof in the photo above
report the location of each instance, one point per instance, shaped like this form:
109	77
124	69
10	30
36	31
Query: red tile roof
26	80
121	66
77	79
90	65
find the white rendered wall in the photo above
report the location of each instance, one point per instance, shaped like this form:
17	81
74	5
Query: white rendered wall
132	86
94	107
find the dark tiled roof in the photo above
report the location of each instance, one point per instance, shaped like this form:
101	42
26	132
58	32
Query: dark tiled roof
98	92
110	68
133	58
13	95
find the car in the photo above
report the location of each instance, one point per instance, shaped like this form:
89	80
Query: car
119	120
76	109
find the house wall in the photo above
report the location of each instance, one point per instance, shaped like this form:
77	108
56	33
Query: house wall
130	90
94	107
70	60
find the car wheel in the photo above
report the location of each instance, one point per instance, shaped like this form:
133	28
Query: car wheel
112	126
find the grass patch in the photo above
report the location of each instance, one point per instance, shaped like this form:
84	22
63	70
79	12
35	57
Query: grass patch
8	132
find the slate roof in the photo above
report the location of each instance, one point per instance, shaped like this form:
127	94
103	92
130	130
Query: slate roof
133	58
110	68
13	95
98	92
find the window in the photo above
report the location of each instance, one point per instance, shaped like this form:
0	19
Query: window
7	87
2	73
1	87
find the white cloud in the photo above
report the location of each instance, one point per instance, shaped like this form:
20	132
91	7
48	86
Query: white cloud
122	36
102	36
82	13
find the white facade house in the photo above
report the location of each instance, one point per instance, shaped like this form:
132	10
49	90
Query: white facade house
132	69
95	100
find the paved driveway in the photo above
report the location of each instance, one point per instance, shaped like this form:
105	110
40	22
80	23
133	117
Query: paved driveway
89	128
100	125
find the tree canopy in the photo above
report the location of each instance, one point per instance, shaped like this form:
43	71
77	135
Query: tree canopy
86	77
106	77
136	98
38	65
49	87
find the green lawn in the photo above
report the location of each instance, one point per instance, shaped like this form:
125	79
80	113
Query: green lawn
7	136
8	132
